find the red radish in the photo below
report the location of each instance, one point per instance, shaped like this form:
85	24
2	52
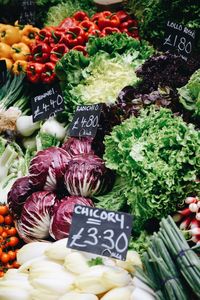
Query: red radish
193	207
185	212
184	225
194	224
189	200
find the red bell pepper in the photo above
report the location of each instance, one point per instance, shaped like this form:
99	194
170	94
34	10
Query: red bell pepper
41	52
34	71
94	32
109	30
44	35
88	26
95	17
56	37
108	19
80	16
67	23
80	48
57	52
48	75
123	16
75	36
130	27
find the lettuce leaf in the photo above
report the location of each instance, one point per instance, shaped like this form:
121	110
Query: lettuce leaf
190	94
158	156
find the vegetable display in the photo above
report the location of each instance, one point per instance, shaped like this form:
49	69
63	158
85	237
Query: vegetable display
158	157
54	271
170	264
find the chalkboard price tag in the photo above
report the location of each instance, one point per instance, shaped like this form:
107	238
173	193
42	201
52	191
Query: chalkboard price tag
3	71
100	231
27	15
47	104
86	120
179	39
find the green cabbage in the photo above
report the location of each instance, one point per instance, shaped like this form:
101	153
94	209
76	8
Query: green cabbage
158	156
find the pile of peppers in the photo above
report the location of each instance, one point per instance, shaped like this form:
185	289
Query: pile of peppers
15	42
73	33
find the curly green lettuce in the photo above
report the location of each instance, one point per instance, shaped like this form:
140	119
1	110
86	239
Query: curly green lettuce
158	156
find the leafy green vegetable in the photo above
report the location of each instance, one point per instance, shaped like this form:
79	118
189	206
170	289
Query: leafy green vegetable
141	243
66	9
2	145
158	156
118	43
116	199
45	140
105	77
95	261
190	94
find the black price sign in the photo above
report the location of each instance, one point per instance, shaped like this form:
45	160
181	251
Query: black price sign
27	15
100	231
3	71
179	39
47	104
86	120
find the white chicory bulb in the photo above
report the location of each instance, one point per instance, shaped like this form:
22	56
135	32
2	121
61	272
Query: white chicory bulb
92	281
77	296
132	260
119	293
139	294
141	285
18	288
25	268
25	125
31	250
100	279
58	250
38	294
51	277
116	277
54	128
76	262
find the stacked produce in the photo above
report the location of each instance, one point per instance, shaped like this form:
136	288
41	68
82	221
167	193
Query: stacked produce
57	180
9	241
144	159
52	271
173	268
72	34
189	219
15	46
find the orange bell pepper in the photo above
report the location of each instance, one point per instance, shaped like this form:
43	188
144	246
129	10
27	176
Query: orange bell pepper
5	50
9	34
20	51
28	34
19	67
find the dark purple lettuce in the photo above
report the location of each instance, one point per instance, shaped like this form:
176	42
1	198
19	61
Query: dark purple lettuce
36	215
62	215
47	168
18	194
87	175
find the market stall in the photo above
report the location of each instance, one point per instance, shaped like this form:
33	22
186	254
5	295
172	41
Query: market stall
99	150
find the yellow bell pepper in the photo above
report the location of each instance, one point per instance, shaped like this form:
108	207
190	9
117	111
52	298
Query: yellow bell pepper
28	34
5	50
19	67
10	34
20	51
9	62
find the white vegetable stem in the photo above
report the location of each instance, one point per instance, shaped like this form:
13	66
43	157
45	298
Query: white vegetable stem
6	160
54	128
25	125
